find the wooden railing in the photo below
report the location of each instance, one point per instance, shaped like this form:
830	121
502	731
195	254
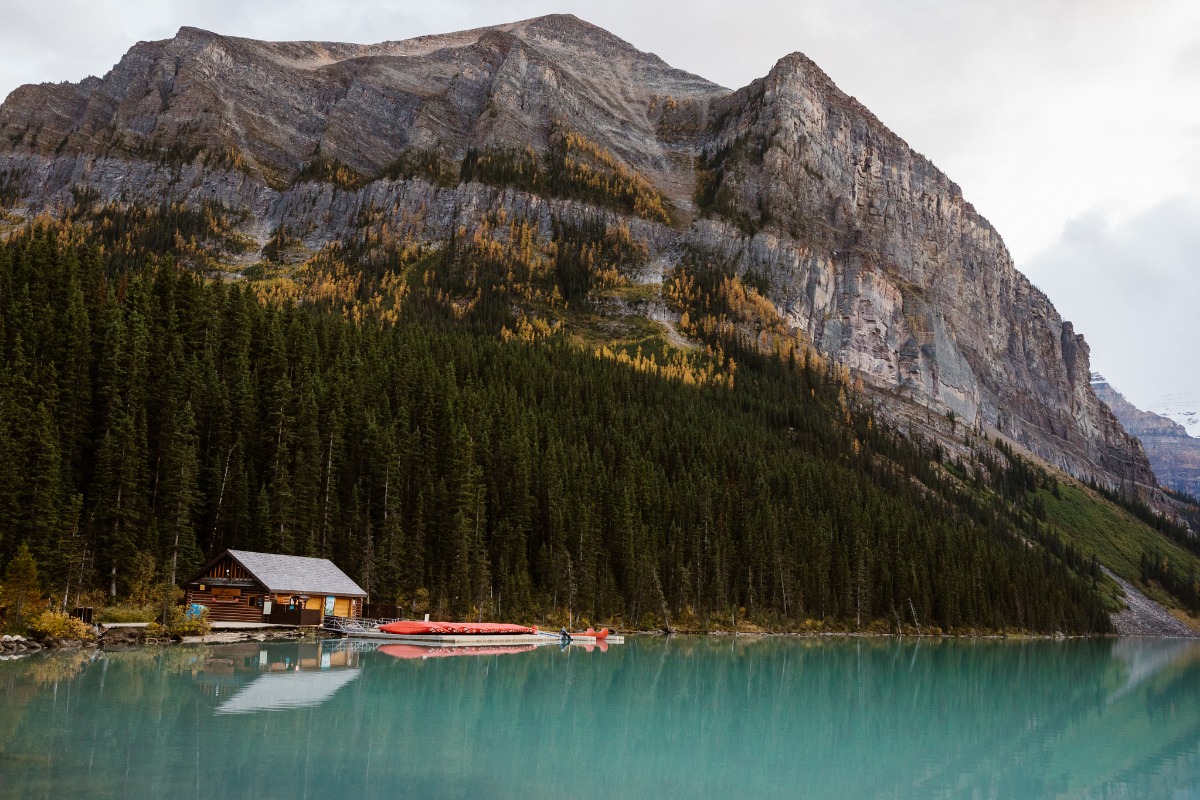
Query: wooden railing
282	615
352	625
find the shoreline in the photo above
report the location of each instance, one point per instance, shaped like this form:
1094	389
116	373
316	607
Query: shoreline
29	647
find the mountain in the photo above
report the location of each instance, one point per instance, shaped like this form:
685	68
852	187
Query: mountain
1173	453
523	322
864	250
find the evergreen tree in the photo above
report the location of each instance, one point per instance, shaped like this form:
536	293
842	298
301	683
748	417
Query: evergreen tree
21	592
181	494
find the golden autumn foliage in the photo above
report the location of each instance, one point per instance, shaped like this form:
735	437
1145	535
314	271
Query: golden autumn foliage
531	329
677	365
575	167
202	236
328	170
525	282
594	171
412	427
327	279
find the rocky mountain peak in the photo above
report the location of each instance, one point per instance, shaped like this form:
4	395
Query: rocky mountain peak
276	107
797	66
188	33
570	30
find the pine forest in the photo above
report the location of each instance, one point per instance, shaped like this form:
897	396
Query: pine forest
459	458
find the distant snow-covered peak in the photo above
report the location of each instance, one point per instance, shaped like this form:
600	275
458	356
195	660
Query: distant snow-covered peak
1182	408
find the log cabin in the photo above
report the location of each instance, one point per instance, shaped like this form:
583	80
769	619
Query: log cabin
241	586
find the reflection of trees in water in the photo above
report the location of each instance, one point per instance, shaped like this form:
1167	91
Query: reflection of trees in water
23	678
49	668
727	716
126	687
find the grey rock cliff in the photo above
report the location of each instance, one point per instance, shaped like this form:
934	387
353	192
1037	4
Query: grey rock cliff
876	255
865	246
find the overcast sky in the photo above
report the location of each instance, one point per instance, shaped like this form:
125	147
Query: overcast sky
1073	125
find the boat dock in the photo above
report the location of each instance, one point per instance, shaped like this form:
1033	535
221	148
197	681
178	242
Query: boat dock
477	640
452	640
365	629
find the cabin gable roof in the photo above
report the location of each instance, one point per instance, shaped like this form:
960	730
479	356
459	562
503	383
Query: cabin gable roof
295	574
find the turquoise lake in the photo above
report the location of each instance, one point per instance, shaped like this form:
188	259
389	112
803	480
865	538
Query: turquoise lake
689	717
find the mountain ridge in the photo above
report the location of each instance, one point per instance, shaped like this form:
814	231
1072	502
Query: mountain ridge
862	245
1173	452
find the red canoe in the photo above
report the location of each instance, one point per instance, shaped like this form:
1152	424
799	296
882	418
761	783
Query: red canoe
417	628
592	633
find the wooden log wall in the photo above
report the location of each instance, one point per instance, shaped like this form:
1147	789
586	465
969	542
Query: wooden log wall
223	608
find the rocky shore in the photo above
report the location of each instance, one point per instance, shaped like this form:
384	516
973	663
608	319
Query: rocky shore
17	645
123	636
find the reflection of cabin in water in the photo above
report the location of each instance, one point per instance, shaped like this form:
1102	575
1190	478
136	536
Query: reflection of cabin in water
240	586
274	675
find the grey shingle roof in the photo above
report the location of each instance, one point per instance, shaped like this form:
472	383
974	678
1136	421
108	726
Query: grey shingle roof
297	574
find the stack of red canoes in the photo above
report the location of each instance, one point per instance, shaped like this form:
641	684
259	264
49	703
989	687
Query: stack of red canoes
417	628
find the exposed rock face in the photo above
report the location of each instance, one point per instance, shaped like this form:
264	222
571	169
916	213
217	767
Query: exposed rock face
888	267
1174	454
278	106
863	243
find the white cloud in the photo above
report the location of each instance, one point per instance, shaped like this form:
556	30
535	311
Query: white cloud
1133	289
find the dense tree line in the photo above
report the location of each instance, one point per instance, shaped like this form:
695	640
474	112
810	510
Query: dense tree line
146	410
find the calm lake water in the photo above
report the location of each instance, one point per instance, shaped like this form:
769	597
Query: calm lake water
689	717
